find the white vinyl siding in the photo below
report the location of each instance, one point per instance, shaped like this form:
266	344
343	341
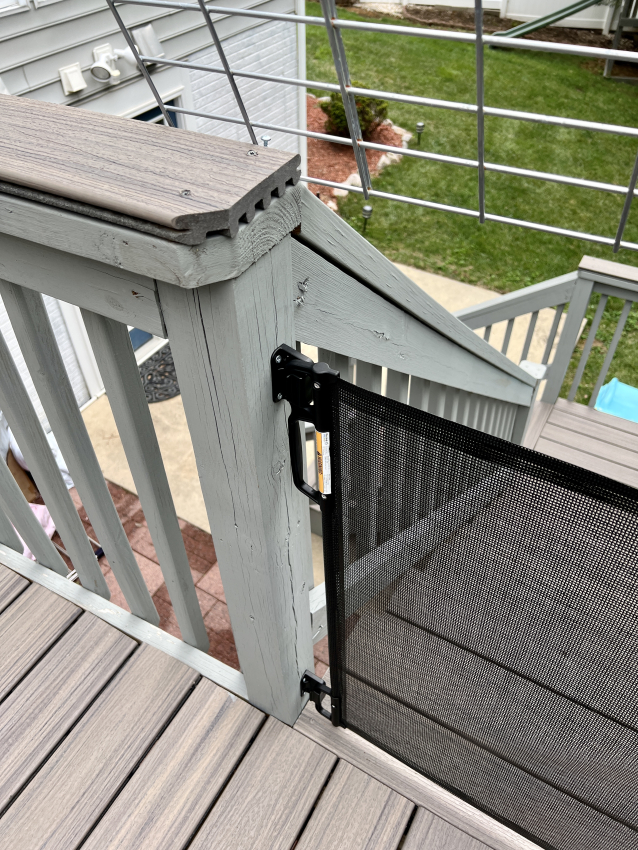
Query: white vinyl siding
270	49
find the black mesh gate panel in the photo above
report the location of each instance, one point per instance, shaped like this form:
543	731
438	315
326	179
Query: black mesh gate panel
484	619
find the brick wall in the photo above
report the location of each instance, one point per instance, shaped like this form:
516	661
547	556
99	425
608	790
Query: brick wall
269	48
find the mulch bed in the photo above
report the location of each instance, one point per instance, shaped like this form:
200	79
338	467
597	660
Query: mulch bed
331	161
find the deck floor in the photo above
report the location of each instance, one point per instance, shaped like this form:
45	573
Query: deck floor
585	437
106	743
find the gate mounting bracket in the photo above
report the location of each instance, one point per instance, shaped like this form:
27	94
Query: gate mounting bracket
317	688
306	386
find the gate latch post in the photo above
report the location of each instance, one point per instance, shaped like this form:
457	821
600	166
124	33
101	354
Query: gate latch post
317	688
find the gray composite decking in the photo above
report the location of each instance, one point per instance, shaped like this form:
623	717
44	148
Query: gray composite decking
586	437
108	743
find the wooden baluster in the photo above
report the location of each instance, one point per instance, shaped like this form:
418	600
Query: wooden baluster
397	386
368	376
23	421
111	344
222	336
419	393
508	336
39	348
591	336
567	342
552	334
530	334
344	364
487	333
611	351
14	507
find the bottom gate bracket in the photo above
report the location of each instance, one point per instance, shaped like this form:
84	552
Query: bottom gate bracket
317	688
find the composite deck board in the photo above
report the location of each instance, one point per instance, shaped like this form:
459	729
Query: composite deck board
596	430
271	794
11	586
357	812
28	627
48	701
166	799
66	797
588	461
589	413
599	448
429	832
139	172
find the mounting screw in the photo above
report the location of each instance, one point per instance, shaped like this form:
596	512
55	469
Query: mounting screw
266	140
185	193
278	358
279	396
252	153
317	386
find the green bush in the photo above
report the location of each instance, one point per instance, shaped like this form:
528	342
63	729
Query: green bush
372	113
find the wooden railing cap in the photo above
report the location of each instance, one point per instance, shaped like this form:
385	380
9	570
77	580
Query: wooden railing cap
171	183
608	267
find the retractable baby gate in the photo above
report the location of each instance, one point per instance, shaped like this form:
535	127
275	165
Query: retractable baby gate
482	604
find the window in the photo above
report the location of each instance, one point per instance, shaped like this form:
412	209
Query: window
154	116
9	6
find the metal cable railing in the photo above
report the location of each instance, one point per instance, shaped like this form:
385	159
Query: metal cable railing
333	26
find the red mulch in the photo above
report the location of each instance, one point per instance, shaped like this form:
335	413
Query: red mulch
331	161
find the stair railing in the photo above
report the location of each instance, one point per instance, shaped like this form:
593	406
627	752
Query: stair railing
569	296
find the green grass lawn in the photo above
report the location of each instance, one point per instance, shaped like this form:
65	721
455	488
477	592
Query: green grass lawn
500	257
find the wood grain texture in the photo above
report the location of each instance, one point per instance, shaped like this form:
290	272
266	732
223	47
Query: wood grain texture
410	784
357	812
593	444
428	832
222	337
609	268
197	660
111	344
124	296
28	627
39	347
98	755
571	454
585	413
330	236
25	424
340	314
177	179
271	794
126	250
11	586
165	800
549	293
46	704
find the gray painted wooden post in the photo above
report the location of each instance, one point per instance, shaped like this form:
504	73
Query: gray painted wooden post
222	336
568	339
121	375
46	367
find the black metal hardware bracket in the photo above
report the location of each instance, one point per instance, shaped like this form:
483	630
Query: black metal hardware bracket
305	385
317	688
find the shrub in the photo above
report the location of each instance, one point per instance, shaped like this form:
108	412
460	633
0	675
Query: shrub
372	112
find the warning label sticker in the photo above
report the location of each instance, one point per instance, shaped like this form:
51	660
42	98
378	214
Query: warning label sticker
323	462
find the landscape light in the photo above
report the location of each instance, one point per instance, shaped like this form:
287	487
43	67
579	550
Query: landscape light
420	127
366	212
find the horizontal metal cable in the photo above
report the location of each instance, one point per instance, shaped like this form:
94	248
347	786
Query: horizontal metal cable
499	219
392	29
548	177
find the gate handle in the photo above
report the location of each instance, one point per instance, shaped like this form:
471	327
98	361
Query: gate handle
307	386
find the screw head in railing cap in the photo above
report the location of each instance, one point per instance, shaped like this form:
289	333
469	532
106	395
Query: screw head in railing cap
266	139
366	212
